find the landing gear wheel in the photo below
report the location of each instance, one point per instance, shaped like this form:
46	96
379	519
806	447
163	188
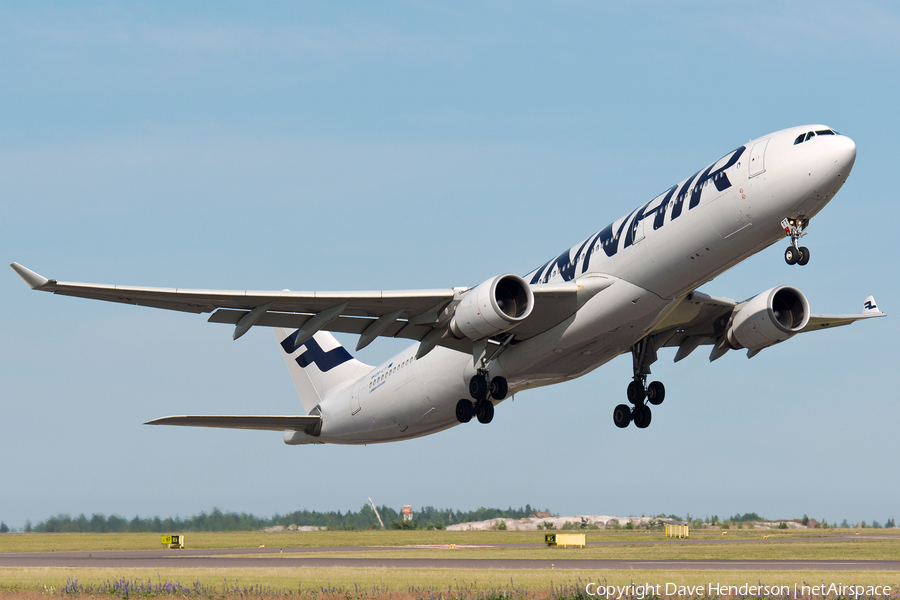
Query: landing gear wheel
464	411
656	393
791	255
622	416
485	412
804	256
635	392
499	388
478	388
642	416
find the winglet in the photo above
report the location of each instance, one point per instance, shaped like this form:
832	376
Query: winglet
33	280
870	308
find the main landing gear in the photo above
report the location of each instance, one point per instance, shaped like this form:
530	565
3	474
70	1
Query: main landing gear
796	254
638	392
483	389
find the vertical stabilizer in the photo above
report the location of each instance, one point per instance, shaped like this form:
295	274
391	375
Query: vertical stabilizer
318	365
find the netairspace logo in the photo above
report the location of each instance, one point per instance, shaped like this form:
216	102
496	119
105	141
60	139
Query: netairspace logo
650	590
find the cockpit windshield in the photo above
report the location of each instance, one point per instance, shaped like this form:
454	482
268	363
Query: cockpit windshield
805	137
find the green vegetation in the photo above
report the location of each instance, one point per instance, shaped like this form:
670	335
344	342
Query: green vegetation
397	584
339	583
426	518
746	517
806	544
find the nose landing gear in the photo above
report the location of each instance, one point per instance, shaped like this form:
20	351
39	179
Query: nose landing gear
796	254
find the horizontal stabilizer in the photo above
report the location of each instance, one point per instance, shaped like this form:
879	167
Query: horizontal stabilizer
268	423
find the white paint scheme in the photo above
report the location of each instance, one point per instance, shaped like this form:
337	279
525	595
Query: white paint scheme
587	312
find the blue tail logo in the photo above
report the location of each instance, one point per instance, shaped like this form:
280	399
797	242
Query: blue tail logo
314	354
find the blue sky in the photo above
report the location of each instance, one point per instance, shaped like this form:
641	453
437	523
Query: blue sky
408	145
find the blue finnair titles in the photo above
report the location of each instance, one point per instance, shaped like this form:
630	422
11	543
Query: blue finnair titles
655	211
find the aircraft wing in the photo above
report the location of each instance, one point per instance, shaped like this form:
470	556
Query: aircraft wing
266	423
816	322
411	314
702	320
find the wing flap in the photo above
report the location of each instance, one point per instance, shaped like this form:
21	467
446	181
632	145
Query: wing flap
261	422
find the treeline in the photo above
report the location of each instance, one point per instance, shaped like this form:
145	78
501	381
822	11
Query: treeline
424	518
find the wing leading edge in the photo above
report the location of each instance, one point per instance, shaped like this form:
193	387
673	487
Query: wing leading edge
420	315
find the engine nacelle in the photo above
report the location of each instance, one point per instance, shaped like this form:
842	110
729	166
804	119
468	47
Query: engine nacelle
771	317
492	307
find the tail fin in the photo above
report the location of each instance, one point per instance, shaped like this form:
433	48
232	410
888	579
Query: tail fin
318	365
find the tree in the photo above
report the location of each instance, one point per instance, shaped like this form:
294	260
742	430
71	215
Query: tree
3	527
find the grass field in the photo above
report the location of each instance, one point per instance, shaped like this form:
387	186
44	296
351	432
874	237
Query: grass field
345	583
808	539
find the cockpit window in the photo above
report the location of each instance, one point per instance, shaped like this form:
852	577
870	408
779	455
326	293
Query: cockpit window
803	137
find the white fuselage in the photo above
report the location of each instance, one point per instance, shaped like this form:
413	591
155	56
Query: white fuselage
656	255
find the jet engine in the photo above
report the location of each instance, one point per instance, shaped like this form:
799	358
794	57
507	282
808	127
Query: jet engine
492	307
771	317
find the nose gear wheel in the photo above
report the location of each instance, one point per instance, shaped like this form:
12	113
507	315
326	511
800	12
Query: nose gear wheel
795	254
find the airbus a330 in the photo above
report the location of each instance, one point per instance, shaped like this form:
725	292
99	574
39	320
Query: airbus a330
629	288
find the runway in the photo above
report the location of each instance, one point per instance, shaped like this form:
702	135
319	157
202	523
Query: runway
287	558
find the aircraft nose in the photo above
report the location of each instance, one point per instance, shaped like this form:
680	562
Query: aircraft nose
844	152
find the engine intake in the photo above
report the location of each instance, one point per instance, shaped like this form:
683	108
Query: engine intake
492	307
768	318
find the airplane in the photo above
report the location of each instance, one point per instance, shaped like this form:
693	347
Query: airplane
629	288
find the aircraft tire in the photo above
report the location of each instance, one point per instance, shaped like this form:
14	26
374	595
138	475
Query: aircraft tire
635	392
642	416
485	412
656	393
478	388
804	256
464	411
622	416
499	388
791	255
